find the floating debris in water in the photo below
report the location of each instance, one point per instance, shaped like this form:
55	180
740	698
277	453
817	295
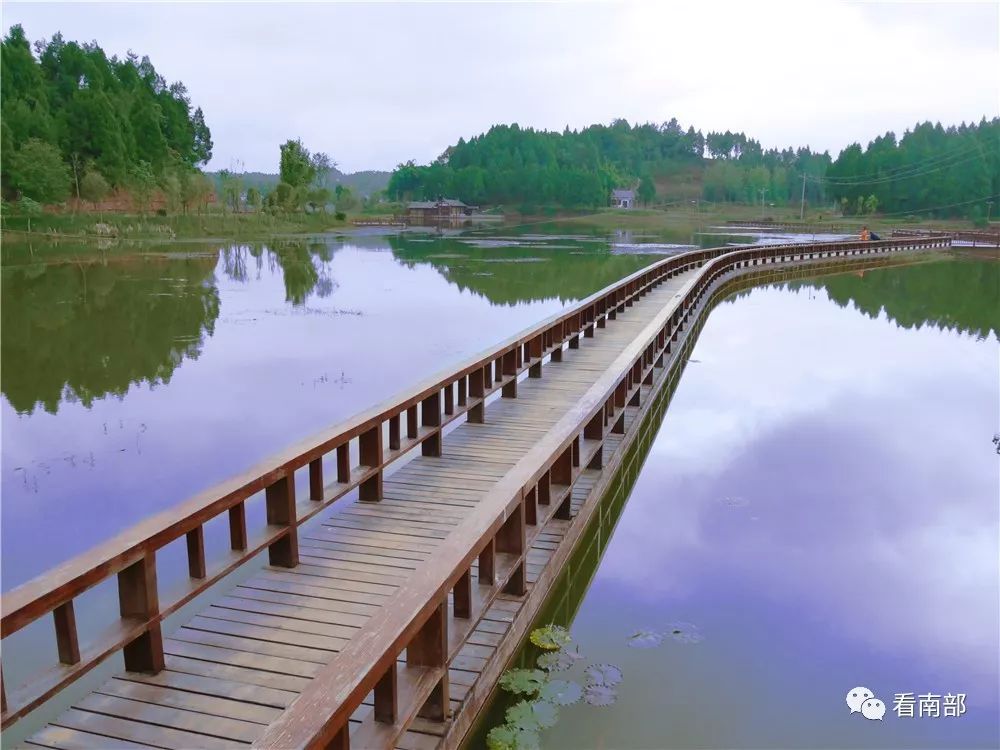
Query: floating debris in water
603	674
645	638
735	501
684	632
561	692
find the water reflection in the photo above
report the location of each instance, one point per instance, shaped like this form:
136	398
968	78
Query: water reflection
862	549
79	331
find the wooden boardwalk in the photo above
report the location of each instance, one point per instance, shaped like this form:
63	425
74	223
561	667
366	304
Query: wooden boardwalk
373	623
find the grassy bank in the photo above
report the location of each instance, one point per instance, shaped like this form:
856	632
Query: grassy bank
692	218
211	225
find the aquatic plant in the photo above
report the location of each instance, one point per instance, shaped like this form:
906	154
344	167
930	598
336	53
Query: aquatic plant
523	681
532	716
600	695
506	737
551	637
603	674
561	692
559	661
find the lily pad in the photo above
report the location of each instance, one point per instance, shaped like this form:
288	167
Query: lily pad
561	692
600	695
506	737
644	638
559	661
522	681
551	637
684	632
607	675
531	717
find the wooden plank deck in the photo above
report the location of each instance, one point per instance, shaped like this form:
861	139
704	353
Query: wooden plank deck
232	669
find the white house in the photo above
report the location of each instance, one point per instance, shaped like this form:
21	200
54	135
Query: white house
623	198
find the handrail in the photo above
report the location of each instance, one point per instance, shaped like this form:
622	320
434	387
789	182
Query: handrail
131	555
319	716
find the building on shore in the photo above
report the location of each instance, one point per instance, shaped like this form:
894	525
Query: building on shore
441	210
622	198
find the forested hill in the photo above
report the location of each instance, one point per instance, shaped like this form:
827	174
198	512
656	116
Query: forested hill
76	122
364	184
931	170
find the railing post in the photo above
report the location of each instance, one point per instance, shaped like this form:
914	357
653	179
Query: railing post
509	366
386	696
429	648
196	552
511	539
344	462
461	596
394	435
371	454
280	501
138	598
430	416
477	412
67	642
487	563
238	527
316	479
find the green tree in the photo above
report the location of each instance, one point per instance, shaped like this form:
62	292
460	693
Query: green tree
647	190
93	187
254	198
142	183
38	172
296	167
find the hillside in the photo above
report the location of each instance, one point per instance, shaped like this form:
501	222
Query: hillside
362	184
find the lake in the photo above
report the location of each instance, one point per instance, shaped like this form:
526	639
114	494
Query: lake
820	499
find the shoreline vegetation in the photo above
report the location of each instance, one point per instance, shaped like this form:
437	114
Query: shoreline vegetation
218	225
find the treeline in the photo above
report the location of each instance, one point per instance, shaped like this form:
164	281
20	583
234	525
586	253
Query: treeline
578	169
78	123
515	165
931	170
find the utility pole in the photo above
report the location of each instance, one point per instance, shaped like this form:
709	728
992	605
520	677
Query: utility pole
802	205
762	191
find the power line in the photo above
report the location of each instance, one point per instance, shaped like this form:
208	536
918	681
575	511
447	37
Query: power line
895	172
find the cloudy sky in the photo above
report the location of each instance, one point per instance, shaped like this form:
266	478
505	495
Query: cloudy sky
378	83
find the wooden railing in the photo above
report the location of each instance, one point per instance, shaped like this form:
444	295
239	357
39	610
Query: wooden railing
416	617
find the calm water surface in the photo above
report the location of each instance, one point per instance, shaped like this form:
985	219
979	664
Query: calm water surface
821	502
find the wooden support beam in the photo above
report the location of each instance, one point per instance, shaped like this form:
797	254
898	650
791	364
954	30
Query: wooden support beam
196	552
280	501
138	597
595	427
67	642
597	460
462	390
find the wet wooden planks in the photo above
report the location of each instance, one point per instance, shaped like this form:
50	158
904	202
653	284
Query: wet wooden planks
236	665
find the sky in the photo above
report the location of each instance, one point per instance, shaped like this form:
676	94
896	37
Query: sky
376	84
